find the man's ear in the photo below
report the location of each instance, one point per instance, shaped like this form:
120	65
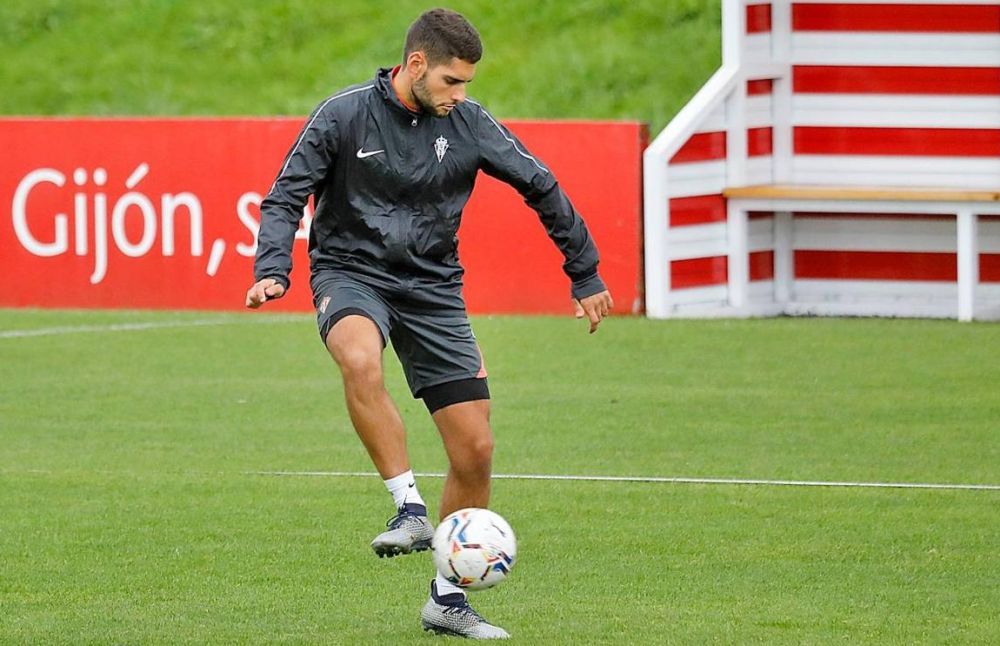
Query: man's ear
416	65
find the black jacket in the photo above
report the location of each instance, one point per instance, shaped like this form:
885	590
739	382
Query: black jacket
390	186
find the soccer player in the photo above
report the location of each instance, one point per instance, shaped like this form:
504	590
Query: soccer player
391	163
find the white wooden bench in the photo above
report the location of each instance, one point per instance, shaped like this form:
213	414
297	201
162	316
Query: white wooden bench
966	205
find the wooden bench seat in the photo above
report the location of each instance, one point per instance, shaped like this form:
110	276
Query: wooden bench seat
897	194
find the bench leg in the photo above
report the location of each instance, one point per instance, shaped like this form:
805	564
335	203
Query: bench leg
968	265
739	260
784	259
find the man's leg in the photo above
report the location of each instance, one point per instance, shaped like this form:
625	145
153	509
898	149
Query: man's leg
468	441
436	346
355	343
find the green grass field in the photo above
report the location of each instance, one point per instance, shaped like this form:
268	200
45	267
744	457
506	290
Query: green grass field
131	513
593	59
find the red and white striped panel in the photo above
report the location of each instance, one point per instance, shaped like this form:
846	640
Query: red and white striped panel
887	247
902	265
952	34
893	94
697	174
756	43
896	94
697	210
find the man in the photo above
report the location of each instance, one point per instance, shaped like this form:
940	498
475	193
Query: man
391	164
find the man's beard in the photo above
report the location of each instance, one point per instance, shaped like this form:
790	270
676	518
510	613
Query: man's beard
424	99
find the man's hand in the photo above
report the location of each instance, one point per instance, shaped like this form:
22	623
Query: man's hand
264	290
595	307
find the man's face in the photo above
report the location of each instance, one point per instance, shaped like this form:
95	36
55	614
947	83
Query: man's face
440	88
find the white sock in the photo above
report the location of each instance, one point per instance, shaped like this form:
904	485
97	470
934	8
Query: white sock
444	586
404	489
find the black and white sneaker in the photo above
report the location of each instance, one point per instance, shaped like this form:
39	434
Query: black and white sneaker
451	614
409	531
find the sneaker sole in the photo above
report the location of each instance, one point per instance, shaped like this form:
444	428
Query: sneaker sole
389	551
441	630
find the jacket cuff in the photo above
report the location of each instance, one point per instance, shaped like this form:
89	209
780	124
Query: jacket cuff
281	280
588	286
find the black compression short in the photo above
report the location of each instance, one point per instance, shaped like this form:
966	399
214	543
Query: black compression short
454	392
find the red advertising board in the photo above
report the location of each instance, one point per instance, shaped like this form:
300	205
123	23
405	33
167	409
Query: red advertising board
163	213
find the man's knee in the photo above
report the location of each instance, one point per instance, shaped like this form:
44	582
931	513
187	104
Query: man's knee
476	456
356	346
482	451
359	368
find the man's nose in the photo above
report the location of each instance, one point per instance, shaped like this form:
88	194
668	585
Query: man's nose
459	95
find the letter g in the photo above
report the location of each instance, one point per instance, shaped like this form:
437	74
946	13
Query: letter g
20	216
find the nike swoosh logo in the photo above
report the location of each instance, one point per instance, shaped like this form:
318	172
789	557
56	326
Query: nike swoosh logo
362	154
412	484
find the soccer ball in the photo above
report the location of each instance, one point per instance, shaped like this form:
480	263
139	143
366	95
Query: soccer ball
474	548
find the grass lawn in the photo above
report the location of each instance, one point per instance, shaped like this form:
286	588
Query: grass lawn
132	511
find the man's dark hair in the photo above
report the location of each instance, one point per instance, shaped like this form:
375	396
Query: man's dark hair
442	34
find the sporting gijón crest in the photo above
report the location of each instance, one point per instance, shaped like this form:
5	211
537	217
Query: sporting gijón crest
440	147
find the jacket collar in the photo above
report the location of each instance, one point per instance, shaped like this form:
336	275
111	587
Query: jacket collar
383	84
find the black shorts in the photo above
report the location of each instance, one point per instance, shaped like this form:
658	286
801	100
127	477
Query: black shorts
428	327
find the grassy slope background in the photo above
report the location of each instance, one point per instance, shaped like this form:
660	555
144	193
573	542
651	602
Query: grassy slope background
597	59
